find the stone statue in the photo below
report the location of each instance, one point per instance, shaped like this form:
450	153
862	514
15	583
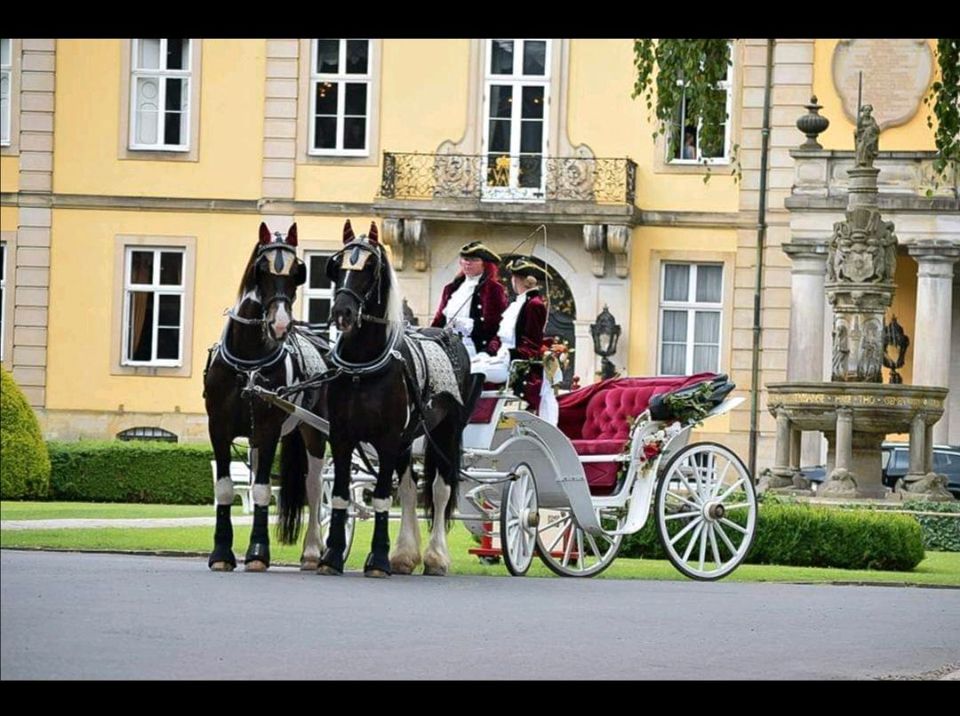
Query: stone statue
871	354
841	351
888	245
867	137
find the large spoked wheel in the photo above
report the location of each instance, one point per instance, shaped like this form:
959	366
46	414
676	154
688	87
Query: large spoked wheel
706	508
326	510
570	551
519	517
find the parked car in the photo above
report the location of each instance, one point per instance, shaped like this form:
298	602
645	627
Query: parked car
895	463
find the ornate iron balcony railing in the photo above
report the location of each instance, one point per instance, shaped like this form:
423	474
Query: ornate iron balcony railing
509	178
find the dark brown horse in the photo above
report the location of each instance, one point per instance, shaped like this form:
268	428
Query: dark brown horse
261	345
393	386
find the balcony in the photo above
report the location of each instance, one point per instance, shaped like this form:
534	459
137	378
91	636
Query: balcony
500	187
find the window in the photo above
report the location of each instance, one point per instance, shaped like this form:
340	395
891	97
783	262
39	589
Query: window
691	297
340	87
686	136
318	293
160	91
6	73
3	297
516	93
153	307
147	433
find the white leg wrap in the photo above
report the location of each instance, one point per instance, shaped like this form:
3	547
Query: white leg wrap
338	503
261	495
406	553
382	505
311	540
225	491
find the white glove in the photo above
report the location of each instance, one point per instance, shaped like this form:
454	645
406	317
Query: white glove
463	326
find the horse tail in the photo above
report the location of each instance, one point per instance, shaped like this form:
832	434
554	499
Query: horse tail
293	486
429	475
453	478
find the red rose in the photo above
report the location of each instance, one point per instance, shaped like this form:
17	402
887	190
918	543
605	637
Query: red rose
650	451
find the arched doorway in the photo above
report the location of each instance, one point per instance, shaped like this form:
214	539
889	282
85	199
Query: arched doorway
561	307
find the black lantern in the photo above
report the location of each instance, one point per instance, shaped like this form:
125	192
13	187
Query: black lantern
606	334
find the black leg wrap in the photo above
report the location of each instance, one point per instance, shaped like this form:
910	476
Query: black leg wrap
259	549
332	558
223	539
379	558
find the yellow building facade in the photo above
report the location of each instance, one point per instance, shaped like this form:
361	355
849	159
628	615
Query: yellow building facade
135	174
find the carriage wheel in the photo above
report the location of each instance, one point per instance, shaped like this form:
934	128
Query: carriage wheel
706	508
326	510
518	521
570	551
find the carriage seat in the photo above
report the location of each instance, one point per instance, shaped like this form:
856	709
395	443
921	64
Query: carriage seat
605	431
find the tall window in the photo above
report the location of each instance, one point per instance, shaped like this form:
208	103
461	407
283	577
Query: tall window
3	295
6	69
340	80
160	110
686	135
516	93
153	306
691	298
318	293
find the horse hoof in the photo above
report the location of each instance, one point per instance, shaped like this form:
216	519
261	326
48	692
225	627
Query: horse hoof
221	567
256	566
434	571
329	571
309	565
376	573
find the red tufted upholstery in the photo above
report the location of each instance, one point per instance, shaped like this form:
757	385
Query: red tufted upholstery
603	429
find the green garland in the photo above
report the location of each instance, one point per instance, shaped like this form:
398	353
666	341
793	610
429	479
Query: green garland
691	68
945	98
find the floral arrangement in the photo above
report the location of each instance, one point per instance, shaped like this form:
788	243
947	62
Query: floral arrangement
556	357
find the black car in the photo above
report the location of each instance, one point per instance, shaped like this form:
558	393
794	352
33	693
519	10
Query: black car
895	462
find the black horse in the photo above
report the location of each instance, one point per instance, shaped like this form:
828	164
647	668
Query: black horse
394	385
261	345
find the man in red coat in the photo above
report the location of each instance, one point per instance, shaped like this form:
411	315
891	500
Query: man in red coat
523	322
473	302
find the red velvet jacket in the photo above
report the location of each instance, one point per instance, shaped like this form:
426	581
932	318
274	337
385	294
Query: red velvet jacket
530	324
486	309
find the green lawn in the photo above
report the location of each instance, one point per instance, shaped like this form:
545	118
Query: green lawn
939	568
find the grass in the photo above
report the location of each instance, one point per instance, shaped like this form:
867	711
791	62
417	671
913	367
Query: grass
938	568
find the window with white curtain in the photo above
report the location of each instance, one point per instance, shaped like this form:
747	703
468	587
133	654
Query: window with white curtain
6	70
691	297
318	293
160	92
153	306
687	144
340	85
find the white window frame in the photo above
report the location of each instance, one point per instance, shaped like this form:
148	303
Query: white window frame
516	80
341	78
323	294
6	73
162	75
727	86
158	290
4	260
691	306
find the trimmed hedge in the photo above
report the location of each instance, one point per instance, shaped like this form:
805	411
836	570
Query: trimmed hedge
24	463
808	536
131	471
939	533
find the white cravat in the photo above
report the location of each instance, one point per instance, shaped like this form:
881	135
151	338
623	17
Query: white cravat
508	323
459	304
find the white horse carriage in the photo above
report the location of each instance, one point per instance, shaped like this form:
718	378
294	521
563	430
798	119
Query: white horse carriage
571	493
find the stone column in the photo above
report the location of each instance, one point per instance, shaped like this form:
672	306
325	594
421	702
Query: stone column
844	438
918	458
807	302
934	319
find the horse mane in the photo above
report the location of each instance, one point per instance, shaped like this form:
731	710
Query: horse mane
247	281
394	308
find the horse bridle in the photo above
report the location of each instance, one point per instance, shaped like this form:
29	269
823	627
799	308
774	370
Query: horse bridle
335	265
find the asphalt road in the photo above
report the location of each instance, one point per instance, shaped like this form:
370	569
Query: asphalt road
100	616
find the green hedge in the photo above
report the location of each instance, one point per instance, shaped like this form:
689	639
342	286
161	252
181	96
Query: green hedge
24	463
808	536
134	471
939	533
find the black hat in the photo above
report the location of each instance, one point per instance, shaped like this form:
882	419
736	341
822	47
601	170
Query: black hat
476	250
524	266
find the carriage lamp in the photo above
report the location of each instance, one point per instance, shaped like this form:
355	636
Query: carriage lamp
605	332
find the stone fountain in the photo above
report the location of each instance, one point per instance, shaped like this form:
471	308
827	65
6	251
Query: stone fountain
855	409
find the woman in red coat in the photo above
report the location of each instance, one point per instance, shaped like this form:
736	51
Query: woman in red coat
473	302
